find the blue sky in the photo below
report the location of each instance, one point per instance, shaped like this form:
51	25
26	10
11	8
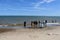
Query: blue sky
30	7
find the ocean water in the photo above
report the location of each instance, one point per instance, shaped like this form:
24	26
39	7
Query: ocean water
28	19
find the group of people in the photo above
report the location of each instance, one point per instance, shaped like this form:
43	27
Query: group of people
35	24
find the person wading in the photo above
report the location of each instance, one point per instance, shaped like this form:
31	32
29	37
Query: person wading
24	24
35	24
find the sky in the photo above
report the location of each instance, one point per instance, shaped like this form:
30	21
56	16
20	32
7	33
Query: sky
30	7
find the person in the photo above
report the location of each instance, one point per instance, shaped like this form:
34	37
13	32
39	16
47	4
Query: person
45	23
31	23
52	21
35	24
24	24
38	25
41	24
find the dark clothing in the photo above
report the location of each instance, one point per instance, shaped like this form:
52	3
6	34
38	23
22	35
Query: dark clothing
45	21
35	22
24	24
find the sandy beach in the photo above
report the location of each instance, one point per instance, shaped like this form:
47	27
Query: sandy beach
48	33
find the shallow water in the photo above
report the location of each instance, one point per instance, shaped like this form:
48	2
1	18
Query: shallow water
28	19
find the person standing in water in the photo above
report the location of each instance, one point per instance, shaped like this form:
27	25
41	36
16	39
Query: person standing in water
24	24
35	24
45	23
39	24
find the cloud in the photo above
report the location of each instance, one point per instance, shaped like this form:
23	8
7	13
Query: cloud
23	9
38	4
48	1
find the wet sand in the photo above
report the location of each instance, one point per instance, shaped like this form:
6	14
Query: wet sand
2	30
48	33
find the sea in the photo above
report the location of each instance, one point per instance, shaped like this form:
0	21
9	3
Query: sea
28	19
